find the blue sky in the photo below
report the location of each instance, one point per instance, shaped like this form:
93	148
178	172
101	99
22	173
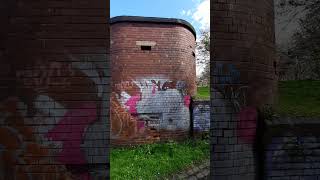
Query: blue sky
195	12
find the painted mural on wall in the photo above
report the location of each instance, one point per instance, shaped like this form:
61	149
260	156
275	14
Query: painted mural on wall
31	155
231	93
46	131
201	116
145	106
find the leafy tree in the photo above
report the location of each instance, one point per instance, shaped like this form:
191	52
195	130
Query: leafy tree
305	46
203	54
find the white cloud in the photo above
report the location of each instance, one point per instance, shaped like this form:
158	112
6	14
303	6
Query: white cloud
202	14
189	12
200	17
183	12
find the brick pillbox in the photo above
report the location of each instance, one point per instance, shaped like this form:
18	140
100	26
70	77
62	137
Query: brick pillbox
153	79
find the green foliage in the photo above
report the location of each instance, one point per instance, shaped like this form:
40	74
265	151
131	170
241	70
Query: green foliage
203	47
267	112
203	54
304	47
205	136
156	161
299	98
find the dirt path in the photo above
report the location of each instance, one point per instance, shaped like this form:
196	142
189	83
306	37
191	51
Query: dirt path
200	171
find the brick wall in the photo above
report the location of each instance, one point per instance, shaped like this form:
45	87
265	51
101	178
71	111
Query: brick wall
291	148
54	80
243	78
151	89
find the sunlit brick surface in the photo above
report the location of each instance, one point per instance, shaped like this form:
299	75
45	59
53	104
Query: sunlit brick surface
151	89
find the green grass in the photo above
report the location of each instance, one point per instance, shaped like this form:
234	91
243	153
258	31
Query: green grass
299	98
156	161
203	93
296	98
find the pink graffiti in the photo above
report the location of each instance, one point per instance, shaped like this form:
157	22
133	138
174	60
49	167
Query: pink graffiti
132	103
84	176
247	124
186	101
140	126
70	131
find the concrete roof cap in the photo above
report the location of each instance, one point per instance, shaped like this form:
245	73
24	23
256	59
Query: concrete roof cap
141	19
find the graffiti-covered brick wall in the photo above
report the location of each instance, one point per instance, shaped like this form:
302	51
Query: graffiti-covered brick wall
291	148
153	77
54	80
201	116
243	79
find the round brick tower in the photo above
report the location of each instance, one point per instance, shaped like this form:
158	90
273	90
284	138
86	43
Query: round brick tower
153	78
243	84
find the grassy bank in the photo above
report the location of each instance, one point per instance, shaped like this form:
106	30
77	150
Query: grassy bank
299	98
155	161
296	98
203	93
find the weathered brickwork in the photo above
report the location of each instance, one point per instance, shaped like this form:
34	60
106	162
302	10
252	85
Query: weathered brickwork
54	97
151	89
243	79
292	149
